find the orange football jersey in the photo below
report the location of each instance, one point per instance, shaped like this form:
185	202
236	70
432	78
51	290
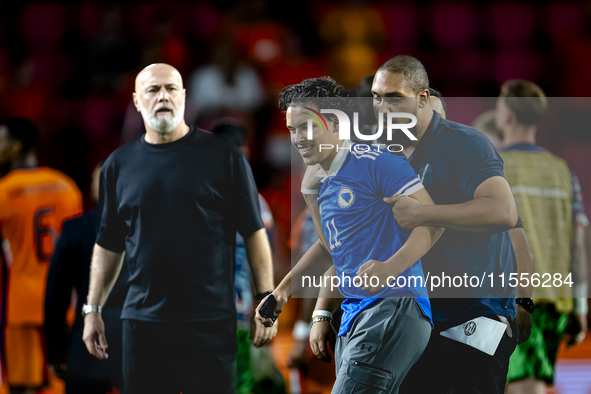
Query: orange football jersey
33	206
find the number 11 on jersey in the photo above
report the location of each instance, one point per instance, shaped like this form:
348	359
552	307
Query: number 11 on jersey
336	234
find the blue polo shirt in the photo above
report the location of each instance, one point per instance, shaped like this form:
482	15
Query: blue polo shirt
452	160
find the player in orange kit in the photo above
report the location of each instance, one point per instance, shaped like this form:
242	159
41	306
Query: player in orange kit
34	202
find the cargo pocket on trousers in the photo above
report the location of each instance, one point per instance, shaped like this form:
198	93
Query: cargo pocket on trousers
366	378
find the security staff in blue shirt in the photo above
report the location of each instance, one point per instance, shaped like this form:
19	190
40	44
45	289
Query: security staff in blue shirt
475	331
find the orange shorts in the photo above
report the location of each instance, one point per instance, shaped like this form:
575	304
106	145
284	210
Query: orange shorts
24	356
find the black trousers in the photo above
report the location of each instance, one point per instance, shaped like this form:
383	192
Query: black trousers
451	367
195	357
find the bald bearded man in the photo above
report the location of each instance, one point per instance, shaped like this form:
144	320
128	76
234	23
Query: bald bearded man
171	202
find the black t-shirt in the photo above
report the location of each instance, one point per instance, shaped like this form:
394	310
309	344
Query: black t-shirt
174	209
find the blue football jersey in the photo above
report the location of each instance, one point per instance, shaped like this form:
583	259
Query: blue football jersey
359	226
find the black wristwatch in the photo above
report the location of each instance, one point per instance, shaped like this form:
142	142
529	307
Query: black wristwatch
526	303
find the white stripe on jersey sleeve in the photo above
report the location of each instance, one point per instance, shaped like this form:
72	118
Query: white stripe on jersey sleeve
372	152
309	191
359	156
409	184
413	189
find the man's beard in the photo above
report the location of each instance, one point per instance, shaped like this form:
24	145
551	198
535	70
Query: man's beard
164	123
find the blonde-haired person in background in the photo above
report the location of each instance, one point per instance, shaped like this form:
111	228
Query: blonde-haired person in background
555	227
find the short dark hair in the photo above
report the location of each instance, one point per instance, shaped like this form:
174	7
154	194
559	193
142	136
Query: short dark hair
412	70
526	99
24	131
436	93
326	90
234	133
364	87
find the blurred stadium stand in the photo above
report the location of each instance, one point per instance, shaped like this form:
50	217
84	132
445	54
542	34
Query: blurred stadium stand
70	66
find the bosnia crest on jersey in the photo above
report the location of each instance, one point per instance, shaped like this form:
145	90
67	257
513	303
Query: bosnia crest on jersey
345	197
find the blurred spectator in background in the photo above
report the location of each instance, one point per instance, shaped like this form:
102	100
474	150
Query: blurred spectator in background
486	123
22	96
111	52
70	270
165	44
226	84
364	87
258	37
552	222
437	102
291	67
353	32
34	203
256	370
